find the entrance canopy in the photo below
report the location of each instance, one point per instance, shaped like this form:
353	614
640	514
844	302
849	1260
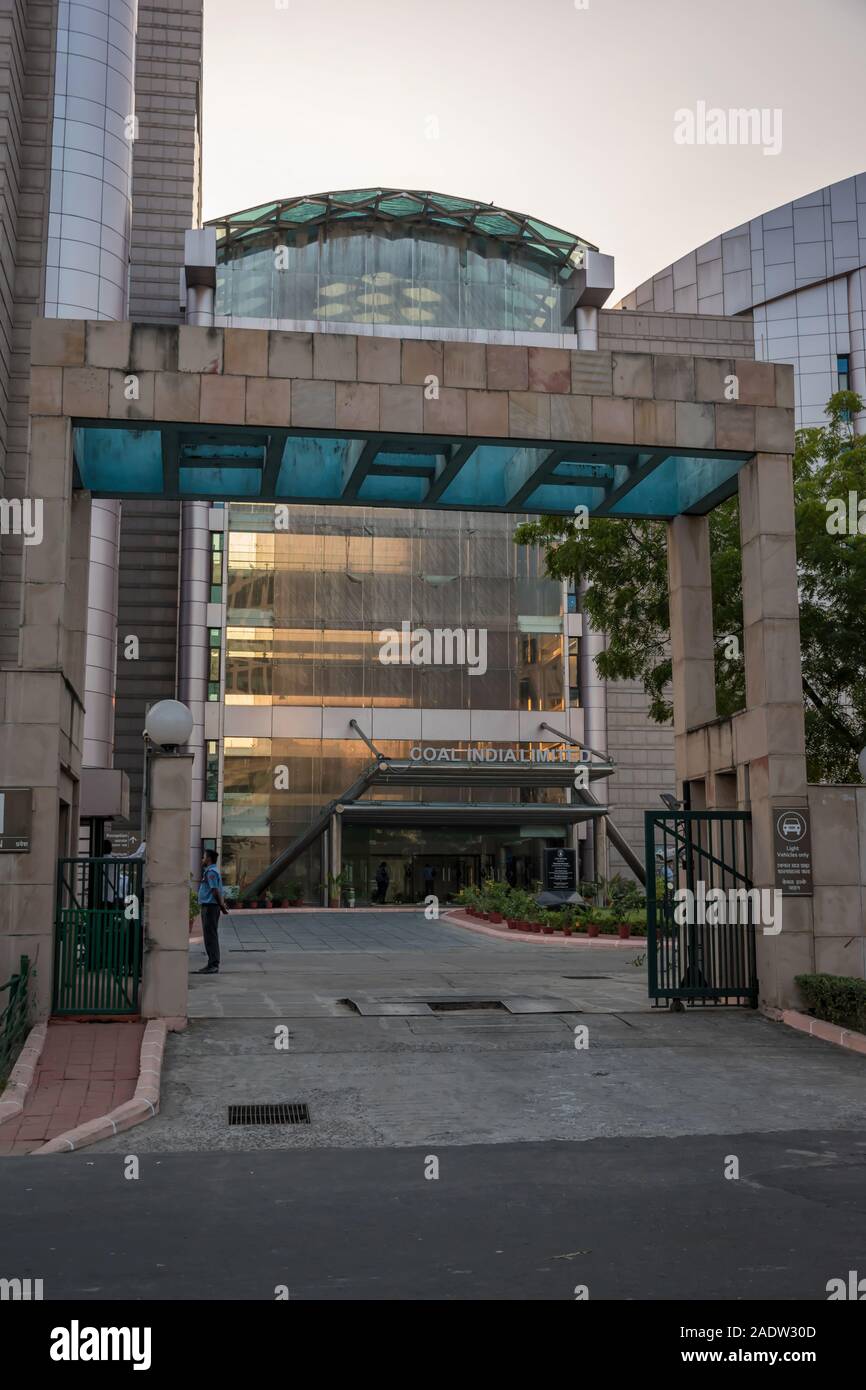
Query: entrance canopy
333	418
446	472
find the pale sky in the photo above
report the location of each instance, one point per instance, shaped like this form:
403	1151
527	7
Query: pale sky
543	106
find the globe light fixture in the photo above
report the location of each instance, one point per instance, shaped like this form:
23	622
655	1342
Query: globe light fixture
168	724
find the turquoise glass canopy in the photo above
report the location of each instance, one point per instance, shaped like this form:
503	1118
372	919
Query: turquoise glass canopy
224	462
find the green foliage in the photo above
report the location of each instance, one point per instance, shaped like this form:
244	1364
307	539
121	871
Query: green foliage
625	565
194	908
623	895
495	895
837	999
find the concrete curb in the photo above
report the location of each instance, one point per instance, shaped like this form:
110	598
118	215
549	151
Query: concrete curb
817	1028
457	919
21	1076
143	1105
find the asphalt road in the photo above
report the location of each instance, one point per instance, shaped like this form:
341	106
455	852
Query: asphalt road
640	1219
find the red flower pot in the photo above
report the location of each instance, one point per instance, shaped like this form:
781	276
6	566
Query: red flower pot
592	929
548	931
566	931
624	930
495	917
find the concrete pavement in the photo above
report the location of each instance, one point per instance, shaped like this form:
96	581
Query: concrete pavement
643	1219
380	1065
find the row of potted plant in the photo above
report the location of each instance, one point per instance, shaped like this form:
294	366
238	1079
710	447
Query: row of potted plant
500	904
288	895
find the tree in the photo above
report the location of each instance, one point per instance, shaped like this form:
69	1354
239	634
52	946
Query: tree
625	565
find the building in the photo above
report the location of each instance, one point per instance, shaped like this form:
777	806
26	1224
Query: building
297	644
799	274
100	179
226	594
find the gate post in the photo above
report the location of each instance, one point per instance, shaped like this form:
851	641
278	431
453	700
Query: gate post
691	628
165	961
770	736
42	695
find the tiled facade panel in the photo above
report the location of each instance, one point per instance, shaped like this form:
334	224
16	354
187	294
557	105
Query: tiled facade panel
166	193
644	754
26	81
800	271
166	175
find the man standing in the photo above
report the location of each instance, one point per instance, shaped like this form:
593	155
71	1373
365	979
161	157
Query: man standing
212	903
383	878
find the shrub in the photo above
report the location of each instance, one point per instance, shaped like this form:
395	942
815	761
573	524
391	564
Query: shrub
194	908
636	921
836	999
495	895
521	906
622	895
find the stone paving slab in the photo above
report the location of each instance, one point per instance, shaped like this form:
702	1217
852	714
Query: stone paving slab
85	1070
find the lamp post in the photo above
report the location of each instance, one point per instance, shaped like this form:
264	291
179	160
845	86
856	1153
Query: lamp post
861	763
167	726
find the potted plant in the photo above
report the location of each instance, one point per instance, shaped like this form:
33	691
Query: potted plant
637	922
295	892
597	919
194	909
335	888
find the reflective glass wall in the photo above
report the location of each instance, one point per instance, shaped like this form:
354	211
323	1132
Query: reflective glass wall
306	609
367	275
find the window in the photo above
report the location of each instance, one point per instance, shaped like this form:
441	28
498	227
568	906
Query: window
216	566
573	672
843	377
213	681
842	373
212	771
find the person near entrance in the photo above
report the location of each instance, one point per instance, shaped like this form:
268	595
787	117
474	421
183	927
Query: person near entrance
429	879
383	878
212	903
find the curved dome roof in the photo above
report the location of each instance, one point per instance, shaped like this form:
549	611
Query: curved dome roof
407	207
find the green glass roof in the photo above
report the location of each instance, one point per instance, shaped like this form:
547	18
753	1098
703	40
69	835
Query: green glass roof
409	206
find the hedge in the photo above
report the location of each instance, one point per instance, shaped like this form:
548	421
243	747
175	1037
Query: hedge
836	999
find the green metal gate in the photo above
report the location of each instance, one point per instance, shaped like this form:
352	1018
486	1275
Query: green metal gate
691	959
97	936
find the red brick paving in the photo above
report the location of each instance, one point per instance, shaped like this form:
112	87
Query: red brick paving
85	1070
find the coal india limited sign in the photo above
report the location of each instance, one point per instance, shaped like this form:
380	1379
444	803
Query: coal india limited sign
16	809
792	845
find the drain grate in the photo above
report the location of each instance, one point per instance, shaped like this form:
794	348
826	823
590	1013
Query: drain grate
450	1006
278	1114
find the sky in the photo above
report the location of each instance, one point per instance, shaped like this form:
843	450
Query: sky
563	109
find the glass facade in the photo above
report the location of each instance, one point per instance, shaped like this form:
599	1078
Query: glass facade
397	257
308	609
375	274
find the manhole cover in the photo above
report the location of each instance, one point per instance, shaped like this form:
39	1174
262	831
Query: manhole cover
450	1006
279	1114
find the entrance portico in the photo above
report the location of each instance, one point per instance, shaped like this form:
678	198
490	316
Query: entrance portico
126	410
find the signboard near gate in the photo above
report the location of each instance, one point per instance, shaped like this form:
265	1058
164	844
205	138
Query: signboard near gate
16	809
792	845
560	871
